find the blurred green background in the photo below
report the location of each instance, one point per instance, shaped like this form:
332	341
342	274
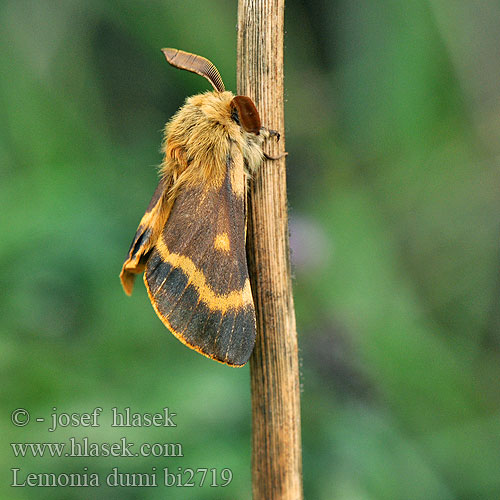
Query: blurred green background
393	128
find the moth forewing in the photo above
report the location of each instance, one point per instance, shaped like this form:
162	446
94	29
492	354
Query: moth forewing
197	276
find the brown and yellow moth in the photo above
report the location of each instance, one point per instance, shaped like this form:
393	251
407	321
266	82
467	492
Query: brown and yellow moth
190	243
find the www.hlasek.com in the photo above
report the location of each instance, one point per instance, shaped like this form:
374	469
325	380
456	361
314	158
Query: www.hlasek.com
85	448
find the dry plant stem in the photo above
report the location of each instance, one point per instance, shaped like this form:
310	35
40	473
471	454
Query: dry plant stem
276	454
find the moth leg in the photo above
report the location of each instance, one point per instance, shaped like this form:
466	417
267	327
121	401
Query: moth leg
273	133
282	155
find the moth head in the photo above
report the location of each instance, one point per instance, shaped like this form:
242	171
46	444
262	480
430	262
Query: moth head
242	108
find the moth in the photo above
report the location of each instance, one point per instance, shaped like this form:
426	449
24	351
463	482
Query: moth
190	243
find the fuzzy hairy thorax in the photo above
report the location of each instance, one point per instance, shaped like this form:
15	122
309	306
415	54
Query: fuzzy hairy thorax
198	140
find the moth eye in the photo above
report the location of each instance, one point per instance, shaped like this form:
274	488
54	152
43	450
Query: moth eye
235	116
